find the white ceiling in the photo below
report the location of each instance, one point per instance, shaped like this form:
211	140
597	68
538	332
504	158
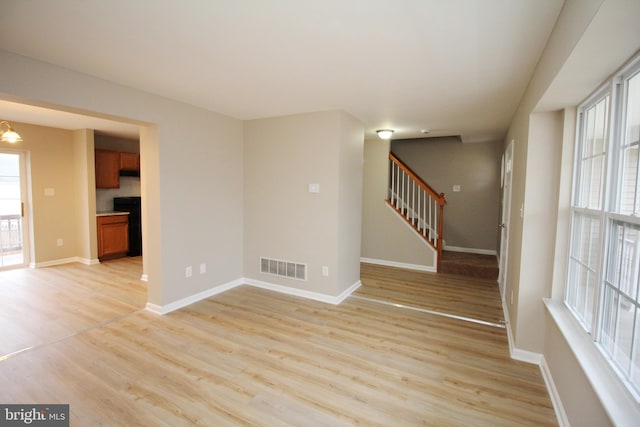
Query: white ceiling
451	66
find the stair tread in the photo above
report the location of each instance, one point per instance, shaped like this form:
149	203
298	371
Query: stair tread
469	264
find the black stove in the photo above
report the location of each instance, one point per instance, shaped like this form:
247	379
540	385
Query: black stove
134	207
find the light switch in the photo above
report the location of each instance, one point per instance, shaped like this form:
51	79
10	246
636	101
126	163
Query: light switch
49	192
314	188
457	188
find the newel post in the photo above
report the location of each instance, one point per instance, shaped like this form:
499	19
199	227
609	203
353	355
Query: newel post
441	203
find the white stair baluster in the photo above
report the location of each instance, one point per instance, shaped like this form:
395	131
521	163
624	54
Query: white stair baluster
424	215
392	167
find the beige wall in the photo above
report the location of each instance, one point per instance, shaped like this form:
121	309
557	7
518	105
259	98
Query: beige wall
385	236
581	404
283	220
51	156
191	174
542	185
349	201
200	185
574	18
85	184
572	22
538	230
471	216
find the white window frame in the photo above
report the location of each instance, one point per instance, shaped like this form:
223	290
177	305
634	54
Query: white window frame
583	210
606	213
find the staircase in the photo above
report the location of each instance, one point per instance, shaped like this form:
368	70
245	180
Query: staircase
470	265
415	201
423	209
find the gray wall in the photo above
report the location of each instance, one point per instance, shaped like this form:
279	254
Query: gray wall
471	216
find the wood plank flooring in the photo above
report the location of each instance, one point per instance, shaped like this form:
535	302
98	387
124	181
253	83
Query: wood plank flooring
45	304
254	357
457	295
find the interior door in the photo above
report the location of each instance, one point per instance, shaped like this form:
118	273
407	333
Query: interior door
507	173
14	229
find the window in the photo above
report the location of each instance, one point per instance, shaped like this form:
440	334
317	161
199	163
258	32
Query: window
603	278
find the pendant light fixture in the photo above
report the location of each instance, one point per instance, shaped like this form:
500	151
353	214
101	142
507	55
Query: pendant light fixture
9	135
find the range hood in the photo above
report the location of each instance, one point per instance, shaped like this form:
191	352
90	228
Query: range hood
124	172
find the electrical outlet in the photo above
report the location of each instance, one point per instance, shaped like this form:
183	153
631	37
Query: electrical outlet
203	268
325	271
60	242
188	272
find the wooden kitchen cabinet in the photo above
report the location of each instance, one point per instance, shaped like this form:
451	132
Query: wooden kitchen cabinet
113	236
107	169
130	161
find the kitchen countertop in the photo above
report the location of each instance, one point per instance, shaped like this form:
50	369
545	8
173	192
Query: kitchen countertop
111	213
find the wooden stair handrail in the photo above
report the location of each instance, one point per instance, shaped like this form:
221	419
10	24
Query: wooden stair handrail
426	187
438	197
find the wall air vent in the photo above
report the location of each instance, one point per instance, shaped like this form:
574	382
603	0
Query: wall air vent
276	267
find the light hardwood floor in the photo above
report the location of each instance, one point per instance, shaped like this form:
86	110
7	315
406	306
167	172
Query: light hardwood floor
254	357
456	295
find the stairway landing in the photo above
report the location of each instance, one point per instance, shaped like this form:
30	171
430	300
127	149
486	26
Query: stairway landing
468	264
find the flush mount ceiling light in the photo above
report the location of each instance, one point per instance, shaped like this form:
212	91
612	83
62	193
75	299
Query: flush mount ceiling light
9	135
384	133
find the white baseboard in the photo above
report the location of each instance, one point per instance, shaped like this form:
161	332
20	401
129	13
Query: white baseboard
63	261
302	293
516	353
168	308
537	359
154	308
470	250
554	395
428	268
526	356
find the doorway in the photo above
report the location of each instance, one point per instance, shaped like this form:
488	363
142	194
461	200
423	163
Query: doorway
506	178
14	226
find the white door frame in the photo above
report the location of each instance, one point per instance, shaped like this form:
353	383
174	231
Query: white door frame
505	181
25	199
